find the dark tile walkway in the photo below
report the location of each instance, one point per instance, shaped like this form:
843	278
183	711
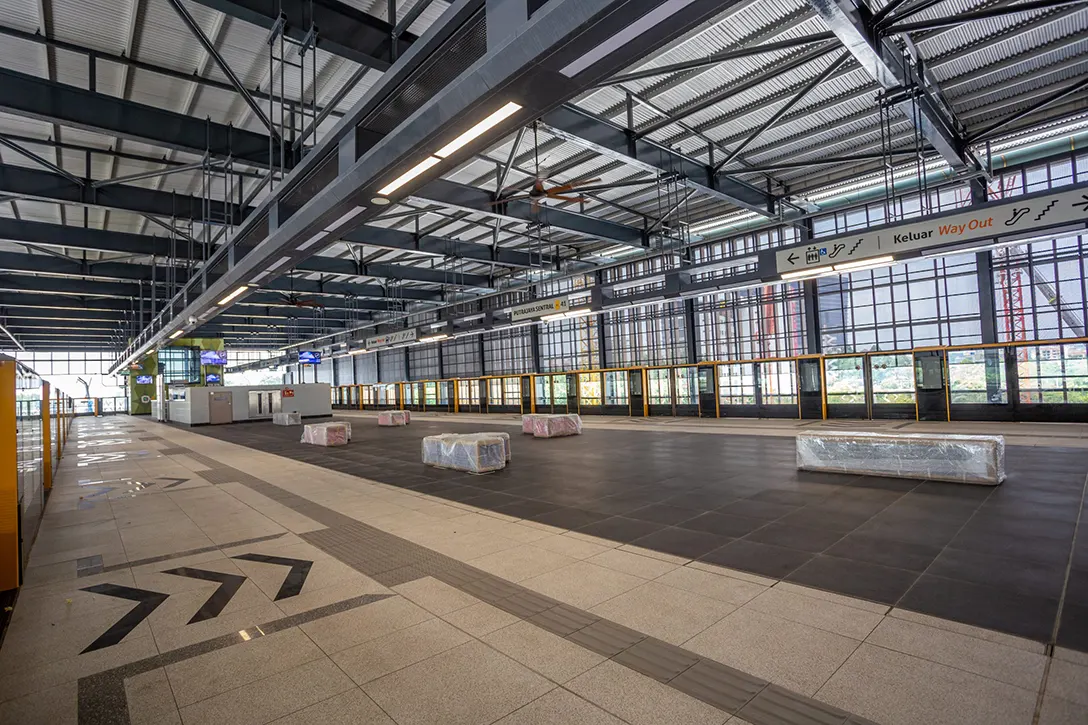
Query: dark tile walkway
991	557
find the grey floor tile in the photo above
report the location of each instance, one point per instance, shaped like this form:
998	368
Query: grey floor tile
559	706
556	658
641	700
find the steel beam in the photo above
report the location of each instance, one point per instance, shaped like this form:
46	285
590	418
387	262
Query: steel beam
69	237
44	100
852	22
344	31
473	199
609	140
47	186
385	238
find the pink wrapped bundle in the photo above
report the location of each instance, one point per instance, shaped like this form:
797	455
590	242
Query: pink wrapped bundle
555	426
527	423
393	417
326	434
407	416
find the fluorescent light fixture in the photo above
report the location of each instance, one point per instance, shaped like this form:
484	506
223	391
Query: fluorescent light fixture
176	335
580	312
434	338
345	218
408	175
478	130
313	240
808	273
863	264
360	351
227	300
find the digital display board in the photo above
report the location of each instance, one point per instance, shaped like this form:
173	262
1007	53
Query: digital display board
309	358
145	379
213	357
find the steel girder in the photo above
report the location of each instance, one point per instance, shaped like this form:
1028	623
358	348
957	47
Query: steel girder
344	31
473	199
851	21
385	238
71	237
45	100
612	142
45	185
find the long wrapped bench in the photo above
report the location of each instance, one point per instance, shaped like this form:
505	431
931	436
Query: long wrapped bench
287	418
326	434
473	453
958	458
556	426
393	418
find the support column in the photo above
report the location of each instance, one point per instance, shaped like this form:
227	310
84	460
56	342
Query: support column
534	347
483	358
689	322
813	338
9	480
984	269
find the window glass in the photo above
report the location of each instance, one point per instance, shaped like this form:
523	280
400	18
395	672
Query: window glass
660	386
615	388
468	392
589	389
845	379
511	391
977	376
1053	373
893	378
494	391
430	393
778	382
687	386
737	384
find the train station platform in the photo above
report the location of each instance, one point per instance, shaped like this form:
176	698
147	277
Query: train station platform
651	572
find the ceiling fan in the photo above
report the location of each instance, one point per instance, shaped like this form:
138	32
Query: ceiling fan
539	191
296	301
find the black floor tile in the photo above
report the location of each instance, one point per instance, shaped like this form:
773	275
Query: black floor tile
911	531
568	518
795	537
1073	632
763	559
682	542
619	528
494	500
520	509
1020	575
661	513
857	578
768	510
723	524
981	606
1076	592
841	522
886	552
1044	550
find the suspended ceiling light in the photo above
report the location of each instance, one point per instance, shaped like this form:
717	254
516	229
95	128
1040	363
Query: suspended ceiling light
409	175
808	273
468	136
227	300
478	130
864	264
360	351
434	338
176	335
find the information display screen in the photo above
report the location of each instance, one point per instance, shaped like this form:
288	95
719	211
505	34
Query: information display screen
309	358
145	379
213	357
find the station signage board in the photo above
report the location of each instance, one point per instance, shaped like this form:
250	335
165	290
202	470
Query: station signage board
540	308
987	221
392	338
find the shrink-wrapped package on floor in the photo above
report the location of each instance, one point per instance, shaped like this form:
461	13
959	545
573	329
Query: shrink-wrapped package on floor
287	418
471	453
555	426
326	434
527	422
393	417
505	440
407	416
958	458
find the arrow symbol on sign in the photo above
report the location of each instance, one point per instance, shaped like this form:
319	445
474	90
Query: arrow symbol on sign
228	587
292	585
792	259
148	603
1082	204
176	481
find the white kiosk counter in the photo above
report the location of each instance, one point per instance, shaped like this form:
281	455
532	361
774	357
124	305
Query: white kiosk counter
237	403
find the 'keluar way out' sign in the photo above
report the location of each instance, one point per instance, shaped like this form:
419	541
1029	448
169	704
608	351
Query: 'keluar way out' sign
986	221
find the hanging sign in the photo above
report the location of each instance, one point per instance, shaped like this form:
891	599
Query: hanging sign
287	393
532	310
392	338
986	221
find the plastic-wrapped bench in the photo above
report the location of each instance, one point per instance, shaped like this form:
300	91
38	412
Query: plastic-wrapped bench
958	458
287	418
326	434
557	426
393	418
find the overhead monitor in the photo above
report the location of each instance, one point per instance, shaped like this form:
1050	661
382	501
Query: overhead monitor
309	358
145	379
212	379
213	357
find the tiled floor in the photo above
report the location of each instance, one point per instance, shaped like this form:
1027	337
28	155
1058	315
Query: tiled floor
990	557
186	579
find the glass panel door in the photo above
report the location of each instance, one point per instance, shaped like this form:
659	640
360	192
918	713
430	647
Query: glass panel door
589	390
845	380
978	384
892	378
811	385
660	391
737	390
929	382
777	389
686	391
616	397
1052	382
